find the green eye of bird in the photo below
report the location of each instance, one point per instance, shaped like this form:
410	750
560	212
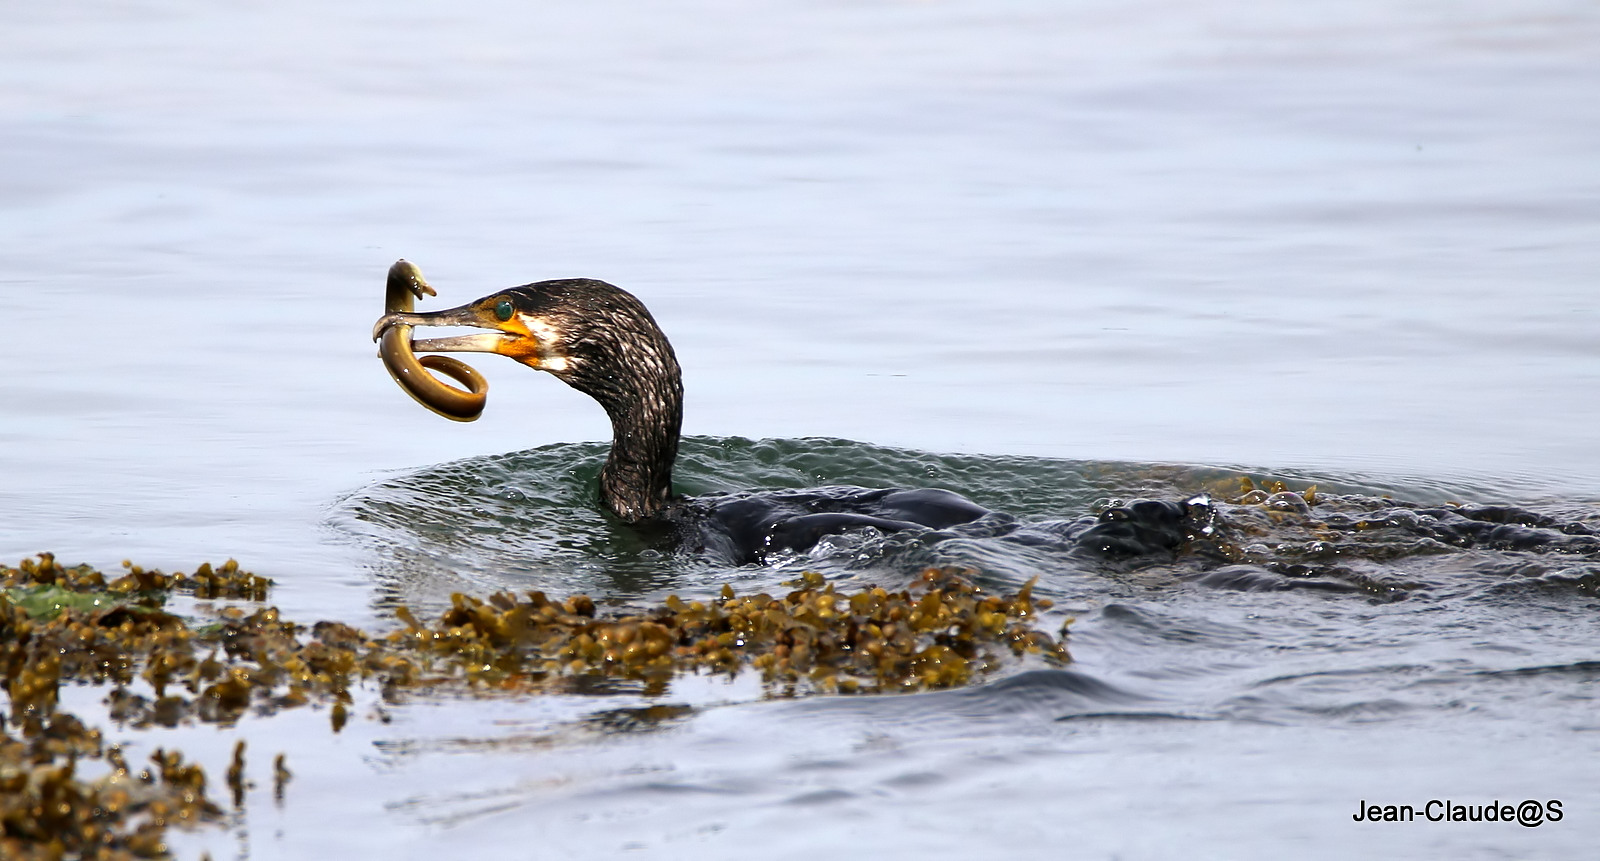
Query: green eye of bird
503	310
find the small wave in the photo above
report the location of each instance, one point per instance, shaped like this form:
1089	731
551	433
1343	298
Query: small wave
1579	669
1131	716
1252	578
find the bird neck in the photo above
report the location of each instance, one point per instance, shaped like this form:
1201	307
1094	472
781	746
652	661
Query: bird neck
612	350
636	481
646	420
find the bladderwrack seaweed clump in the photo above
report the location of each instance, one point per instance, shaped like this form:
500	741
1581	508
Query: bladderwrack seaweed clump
235	657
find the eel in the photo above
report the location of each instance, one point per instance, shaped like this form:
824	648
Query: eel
406	285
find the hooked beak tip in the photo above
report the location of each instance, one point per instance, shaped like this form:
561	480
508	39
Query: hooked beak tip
382	326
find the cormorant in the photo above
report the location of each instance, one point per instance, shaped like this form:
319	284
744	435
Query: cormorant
602	341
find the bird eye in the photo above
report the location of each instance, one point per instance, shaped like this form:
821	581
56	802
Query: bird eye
503	310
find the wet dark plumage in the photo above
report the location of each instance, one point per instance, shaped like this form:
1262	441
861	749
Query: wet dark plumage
602	341
615	353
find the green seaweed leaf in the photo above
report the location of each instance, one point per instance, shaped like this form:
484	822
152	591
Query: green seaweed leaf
47	601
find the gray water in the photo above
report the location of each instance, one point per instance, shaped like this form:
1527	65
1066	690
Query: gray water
1350	244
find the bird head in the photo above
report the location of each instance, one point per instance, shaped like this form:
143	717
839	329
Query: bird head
518	329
